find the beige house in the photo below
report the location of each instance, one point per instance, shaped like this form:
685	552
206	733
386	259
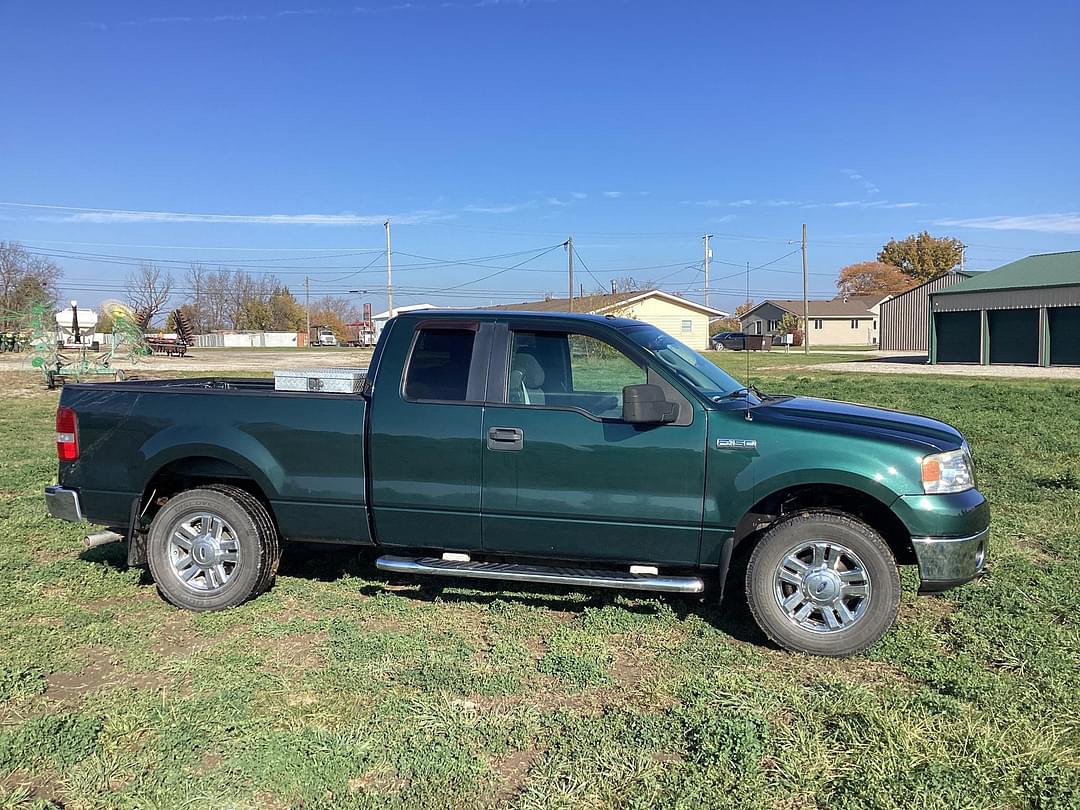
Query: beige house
684	319
843	321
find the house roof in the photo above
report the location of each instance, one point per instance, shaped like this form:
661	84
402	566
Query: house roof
1040	270
602	302
831	308
385	314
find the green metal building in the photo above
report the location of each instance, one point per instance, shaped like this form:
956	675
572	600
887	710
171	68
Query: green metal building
1026	312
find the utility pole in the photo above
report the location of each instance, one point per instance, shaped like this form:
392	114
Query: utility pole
570	271
389	274
963	250
307	306
805	297
708	255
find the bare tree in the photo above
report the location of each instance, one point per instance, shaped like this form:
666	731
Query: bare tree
148	291
25	279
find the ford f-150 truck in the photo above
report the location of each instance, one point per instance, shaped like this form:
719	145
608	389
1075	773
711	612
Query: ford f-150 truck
553	448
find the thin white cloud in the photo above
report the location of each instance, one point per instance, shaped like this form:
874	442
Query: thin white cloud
703	203
854	176
614	195
1040	223
498	208
740	203
112	216
578	195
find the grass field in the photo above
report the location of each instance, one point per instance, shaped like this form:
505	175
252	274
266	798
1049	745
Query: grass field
343	688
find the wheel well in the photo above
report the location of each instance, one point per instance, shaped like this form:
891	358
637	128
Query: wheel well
187	473
825	497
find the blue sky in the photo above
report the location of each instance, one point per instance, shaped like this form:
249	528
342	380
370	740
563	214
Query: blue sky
280	135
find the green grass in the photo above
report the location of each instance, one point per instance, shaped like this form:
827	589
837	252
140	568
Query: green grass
343	688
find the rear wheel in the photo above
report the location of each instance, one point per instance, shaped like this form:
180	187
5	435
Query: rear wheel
823	583
212	548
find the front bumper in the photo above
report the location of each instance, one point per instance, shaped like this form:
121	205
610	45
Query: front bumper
63	503
945	562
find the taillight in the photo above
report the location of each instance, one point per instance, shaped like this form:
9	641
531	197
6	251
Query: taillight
67	435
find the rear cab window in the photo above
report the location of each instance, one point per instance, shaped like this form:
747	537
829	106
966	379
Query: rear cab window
438	365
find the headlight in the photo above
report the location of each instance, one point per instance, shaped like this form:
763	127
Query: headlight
948	472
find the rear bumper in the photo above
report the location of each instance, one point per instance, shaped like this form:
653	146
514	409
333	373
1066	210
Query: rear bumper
945	562
63	503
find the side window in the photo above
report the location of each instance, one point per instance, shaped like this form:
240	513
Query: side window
571	371
439	365
688	326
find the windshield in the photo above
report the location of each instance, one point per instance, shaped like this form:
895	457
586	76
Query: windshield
688	365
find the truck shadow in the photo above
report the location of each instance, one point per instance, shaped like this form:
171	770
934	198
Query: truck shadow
731	615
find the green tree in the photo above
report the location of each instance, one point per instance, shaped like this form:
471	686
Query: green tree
254	315
286	313
923	256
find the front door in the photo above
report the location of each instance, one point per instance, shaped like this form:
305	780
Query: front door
565	477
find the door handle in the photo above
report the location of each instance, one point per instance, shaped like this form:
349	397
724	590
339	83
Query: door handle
505	438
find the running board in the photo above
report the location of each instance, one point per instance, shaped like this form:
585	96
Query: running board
510	572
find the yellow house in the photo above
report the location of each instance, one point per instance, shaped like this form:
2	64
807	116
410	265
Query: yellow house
684	319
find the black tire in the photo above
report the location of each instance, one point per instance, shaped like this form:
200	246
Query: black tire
868	563
250	528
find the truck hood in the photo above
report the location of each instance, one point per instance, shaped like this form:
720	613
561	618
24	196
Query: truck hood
845	417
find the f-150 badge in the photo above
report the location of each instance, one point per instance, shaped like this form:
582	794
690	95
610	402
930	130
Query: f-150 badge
736	444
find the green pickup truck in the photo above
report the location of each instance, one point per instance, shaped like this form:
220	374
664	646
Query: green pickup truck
526	447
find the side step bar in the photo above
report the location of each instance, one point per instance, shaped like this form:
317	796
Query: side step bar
510	572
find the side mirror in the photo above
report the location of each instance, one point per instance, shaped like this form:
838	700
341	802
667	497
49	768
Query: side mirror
646	405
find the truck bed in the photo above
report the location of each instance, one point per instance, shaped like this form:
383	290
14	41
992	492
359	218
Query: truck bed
305	451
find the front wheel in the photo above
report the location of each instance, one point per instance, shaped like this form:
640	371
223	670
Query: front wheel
212	548
823	583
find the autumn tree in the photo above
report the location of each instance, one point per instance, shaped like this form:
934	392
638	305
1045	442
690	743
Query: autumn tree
922	256
334	311
792	325
743	308
148	290
868	278
25	279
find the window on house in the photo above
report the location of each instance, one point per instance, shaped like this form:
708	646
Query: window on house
439	366
817	323
854	323
774	325
875	324
688	325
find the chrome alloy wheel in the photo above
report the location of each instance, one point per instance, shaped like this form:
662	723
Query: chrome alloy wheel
203	551
822	586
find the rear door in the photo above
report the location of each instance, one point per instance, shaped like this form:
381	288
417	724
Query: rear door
564	476
426	423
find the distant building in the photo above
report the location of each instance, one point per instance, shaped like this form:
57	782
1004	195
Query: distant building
905	317
684	319
842	321
1025	313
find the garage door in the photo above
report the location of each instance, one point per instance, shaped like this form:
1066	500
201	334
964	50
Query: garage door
1014	336
957	336
1064	336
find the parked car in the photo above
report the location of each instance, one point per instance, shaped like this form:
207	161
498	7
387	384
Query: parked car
539	447
728	340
